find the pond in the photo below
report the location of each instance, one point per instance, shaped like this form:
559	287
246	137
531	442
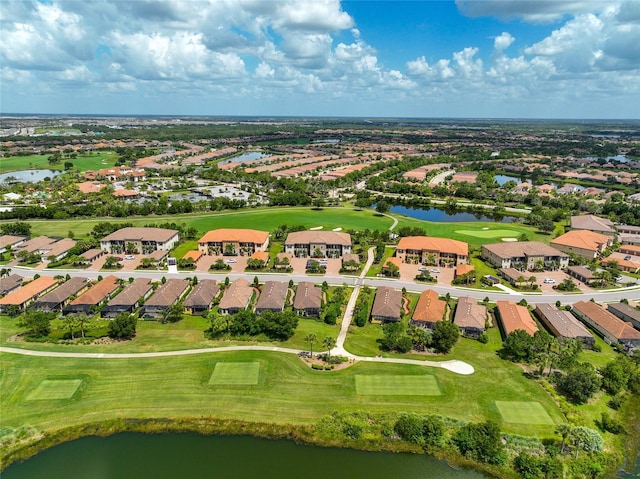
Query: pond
438	215
252	155
191	456
28	176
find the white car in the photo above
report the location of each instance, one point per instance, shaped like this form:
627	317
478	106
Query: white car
434	270
129	257
230	261
423	268
549	281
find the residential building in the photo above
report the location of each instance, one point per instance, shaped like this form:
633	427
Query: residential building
308	299
387	305
630	249
10	283
35	244
202	296
562	324
10	241
582	274
628	235
470	317
625	313
429	310
194	255
432	251
583	243
88	302
463	269
524	255
593	223
514	277
167	294
92	254
128	299
236	297
512	317
272	297
61	296
58	250
233	242
139	240
318	244
612	328
27	294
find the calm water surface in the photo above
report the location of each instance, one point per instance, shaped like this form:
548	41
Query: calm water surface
252	155
191	456
441	216
29	176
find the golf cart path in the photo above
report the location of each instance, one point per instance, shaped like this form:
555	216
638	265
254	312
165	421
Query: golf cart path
458	367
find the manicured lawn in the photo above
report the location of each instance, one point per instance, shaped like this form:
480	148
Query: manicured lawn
183	248
265	219
489	233
85	161
425	385
452	230
287	391
226	373
523	412
51	389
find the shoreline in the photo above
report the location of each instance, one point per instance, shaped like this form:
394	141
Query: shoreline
302	434
208	426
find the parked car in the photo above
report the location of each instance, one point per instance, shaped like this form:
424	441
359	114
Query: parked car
627	258
129	257
434	270
230	261
549	281
423	268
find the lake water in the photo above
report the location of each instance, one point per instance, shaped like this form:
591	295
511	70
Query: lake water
28	176
252	155
441	216
191	456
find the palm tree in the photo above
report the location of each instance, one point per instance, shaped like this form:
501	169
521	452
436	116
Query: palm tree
329	343
563	430
310	338
532	281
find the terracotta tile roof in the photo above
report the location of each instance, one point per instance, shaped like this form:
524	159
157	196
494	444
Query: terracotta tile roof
261	255
98	292
235	235
194	255
616	327
464	269
583	239
514	316
28	291
430	308
443	245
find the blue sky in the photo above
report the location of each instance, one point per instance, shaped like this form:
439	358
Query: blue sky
462	58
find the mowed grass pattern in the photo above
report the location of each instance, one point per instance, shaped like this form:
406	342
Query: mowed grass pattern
55	389
484	234
231	373
410	385
524	412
